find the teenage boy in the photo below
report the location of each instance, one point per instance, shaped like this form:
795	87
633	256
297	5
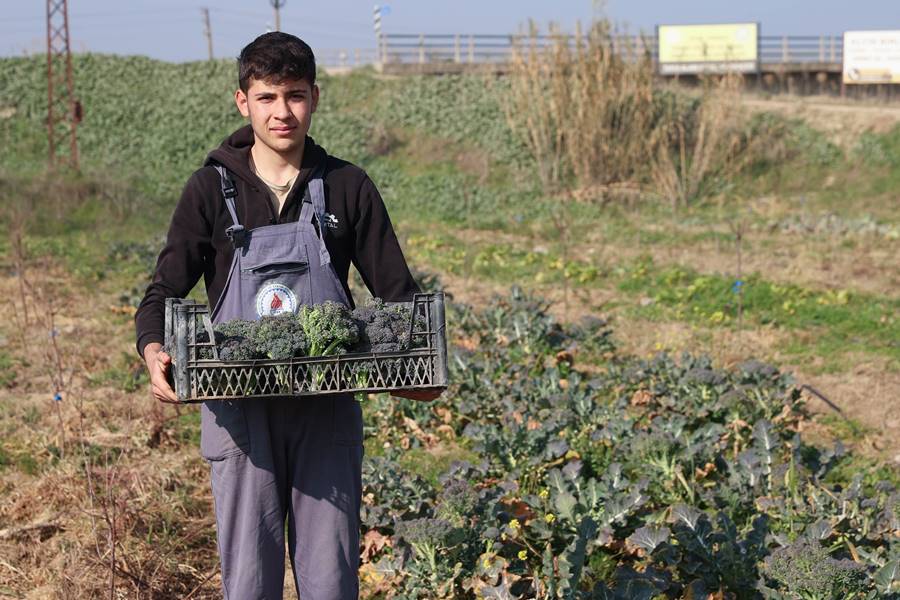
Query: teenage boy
272	222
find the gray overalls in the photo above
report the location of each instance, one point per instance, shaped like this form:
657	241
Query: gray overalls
277	458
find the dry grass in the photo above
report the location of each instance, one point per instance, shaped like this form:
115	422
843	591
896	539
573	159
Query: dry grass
582	109
103	497
691	148
590	112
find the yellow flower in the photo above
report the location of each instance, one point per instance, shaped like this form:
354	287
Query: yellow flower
544	493
522	554
549	517
514	524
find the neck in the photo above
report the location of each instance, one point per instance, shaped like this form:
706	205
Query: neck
275	166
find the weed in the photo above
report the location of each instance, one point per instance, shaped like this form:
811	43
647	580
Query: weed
7	370
844	428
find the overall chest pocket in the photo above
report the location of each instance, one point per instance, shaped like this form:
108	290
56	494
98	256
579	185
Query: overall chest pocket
273	255
268	270
277	278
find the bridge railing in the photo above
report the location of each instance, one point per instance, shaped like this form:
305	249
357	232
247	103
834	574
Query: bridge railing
406	48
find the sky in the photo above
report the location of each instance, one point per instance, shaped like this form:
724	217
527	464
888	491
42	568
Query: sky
173	30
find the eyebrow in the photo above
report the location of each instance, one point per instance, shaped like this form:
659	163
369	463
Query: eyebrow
288	92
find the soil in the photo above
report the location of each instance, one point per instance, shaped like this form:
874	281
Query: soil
842	121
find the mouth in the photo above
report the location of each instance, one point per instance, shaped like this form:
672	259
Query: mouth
283	131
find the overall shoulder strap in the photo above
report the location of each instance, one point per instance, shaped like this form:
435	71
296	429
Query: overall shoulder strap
236	232
314	196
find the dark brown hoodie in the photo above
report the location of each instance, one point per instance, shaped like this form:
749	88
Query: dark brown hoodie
360	231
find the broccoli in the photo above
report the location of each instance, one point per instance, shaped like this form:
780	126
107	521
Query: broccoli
359	374
805	569
430	539
236	340
328	328
458	502
383	327
279	337
425	532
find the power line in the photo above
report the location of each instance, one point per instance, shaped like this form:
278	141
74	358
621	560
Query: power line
75	16
310	20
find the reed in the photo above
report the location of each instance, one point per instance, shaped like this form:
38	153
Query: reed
582	104
695	148
595	120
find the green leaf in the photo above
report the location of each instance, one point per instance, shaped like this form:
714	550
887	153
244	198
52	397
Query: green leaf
887	575
565	505
649	537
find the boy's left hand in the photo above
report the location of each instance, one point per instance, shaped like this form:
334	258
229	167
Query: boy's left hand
424	395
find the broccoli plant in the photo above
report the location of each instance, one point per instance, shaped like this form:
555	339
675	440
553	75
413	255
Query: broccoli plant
805	570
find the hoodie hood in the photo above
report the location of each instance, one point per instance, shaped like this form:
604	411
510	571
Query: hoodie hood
234	154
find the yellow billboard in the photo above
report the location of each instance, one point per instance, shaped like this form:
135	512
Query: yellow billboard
708	48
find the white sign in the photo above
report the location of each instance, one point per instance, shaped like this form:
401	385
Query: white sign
872	56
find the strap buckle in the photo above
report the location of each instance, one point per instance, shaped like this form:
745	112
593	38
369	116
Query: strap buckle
238	235
228	189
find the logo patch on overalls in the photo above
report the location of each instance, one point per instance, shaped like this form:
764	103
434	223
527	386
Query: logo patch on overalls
275	299
331	221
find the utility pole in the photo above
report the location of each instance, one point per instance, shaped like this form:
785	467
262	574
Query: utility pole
63	110
277	4
207	31
376	17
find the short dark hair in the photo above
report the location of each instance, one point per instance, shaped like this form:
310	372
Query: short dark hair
276	56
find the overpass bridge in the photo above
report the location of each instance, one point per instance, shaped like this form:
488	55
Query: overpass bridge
790	63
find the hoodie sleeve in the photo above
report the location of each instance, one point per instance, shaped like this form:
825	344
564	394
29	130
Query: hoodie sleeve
377	255
179	266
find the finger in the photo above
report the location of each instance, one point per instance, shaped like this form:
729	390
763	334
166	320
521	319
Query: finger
165	395
161	387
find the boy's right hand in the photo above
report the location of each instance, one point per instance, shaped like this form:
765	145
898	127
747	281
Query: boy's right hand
158	364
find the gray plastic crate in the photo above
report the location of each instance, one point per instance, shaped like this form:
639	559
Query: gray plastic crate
199	379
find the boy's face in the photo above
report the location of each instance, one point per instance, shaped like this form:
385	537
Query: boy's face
280	113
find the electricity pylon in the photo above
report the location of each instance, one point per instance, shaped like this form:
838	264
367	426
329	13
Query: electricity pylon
63	110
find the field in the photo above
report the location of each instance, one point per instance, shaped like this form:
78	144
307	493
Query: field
651	399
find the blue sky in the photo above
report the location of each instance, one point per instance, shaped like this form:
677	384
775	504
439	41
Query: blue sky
172	30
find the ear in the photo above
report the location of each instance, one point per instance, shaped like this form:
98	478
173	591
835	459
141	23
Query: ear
315	97
240	99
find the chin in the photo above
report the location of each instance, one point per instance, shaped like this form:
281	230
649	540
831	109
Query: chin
283	145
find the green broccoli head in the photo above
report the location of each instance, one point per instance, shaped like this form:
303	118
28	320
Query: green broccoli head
383	327
235	348
805	568
280	337
425	531
329	328
458	502
235	340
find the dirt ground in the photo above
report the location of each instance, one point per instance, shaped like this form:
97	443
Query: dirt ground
842	120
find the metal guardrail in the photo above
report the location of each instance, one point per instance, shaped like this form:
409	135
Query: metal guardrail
405	48
346	57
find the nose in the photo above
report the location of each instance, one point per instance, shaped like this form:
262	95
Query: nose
281	110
